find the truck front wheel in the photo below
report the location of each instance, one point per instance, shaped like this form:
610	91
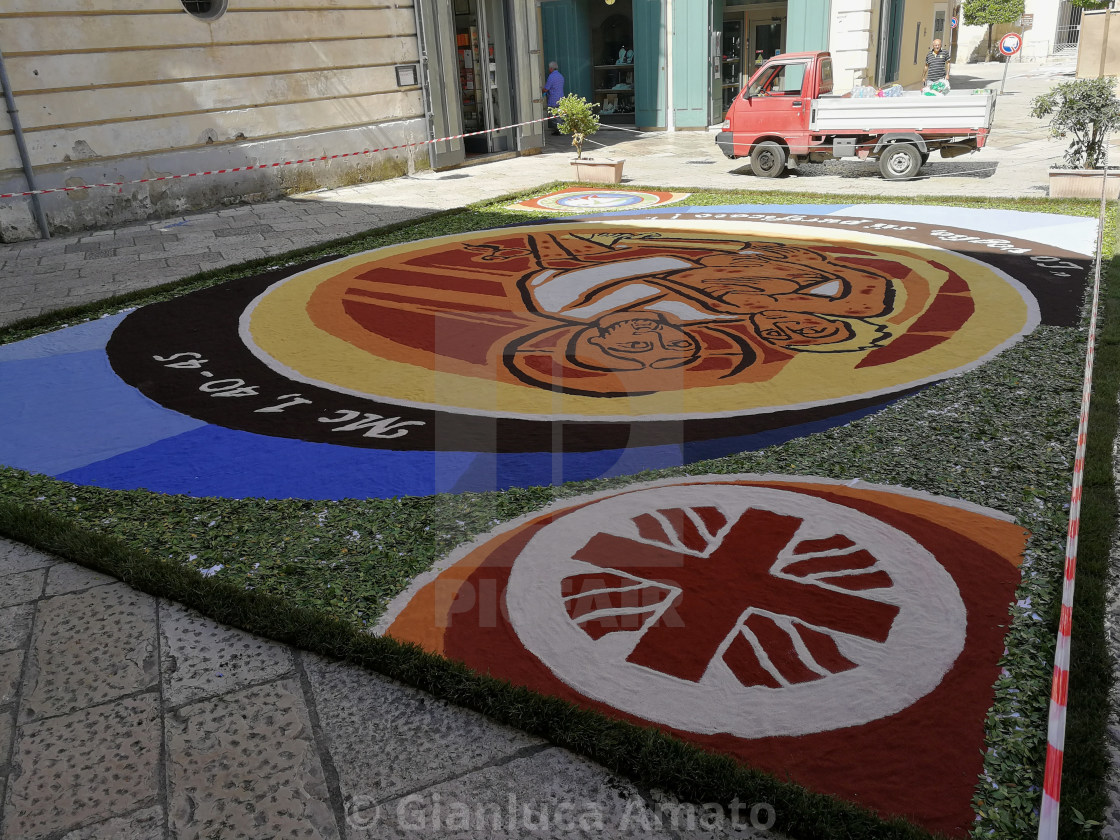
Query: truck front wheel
900	161
768	160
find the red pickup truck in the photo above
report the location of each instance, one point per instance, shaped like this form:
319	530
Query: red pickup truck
787	112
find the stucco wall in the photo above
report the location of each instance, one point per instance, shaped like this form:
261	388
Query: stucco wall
124	90
854	42
1038	40
917	35
851	40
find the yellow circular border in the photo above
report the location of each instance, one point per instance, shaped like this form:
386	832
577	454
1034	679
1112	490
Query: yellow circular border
278	330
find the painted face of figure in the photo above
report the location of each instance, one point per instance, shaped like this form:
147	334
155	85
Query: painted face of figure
645	341
752	282
799	329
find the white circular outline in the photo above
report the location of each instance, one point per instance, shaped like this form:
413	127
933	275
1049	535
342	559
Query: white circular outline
641	204
401	601
925	640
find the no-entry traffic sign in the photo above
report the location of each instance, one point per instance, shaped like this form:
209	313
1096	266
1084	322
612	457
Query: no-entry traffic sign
1010	44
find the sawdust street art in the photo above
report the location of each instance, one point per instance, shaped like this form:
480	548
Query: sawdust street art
528	355
581	199
843	635
792	622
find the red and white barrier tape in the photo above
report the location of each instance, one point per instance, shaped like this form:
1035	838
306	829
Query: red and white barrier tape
268	165
1059	691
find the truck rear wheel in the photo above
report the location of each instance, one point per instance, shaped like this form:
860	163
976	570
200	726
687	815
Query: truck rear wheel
900	161
768	160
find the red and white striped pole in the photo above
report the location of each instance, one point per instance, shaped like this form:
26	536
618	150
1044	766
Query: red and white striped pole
267	165
1059	690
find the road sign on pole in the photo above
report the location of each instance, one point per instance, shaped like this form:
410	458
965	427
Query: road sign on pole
1009	44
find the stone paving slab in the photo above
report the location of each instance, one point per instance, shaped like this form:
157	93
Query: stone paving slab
21	587
15	557
246	765
15	625
551	795
90	647
203	659
84	767
11	670
6	730
63	578
385	738
145	824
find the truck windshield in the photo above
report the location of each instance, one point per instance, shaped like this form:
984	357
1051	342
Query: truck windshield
779	80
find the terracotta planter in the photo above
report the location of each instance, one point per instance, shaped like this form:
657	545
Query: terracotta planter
598	171
1083	183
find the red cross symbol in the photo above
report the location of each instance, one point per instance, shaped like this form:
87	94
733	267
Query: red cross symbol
718	580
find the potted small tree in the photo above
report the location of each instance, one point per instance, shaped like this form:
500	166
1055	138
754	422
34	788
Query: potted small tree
1084	110
579	120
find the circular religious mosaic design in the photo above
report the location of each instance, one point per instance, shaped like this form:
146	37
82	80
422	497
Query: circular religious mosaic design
738	609
585	200
632	337
791	622
633	321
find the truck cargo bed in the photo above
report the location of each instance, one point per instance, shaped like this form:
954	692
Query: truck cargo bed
959	110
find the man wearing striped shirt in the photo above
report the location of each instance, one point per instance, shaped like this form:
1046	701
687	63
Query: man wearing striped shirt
937	63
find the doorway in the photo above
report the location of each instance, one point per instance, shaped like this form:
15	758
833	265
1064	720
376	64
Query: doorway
483	55
940	15
733	60
764	34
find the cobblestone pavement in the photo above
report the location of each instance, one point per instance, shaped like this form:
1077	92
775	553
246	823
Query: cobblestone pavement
125	717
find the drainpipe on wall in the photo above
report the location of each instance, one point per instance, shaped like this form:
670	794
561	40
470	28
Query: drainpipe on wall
671	115
425	94
28	172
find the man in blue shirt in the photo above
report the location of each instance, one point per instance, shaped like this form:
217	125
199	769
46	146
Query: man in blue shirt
554	90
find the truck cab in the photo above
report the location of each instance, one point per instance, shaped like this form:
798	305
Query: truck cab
774	106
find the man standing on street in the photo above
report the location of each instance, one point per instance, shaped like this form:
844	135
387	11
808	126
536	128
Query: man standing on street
937	63
554	90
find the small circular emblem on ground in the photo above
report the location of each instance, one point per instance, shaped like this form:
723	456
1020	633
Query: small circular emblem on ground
585	200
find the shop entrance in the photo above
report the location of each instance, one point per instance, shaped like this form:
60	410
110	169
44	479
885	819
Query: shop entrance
482	49
612	56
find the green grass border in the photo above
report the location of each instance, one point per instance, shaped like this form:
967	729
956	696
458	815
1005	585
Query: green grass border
646	755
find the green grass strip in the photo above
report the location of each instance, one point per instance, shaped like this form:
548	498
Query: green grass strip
646	755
